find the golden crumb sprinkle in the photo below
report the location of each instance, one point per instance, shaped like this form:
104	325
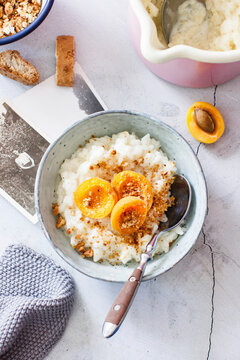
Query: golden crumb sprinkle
129	219
60	222
161	202
55	209
131	188
80	247
88	253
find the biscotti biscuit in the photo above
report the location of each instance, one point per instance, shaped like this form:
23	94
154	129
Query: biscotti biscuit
65	58
15	67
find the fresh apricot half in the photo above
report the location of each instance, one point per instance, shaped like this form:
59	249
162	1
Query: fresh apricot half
205	122
130	183
128	215
95	198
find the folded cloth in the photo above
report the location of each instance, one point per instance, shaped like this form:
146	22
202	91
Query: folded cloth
36	297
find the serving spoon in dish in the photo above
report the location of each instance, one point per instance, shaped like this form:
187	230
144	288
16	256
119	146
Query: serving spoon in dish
181	190
170	16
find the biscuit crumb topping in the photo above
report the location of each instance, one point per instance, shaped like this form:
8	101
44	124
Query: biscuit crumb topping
162	200
60	222
55	209
129	219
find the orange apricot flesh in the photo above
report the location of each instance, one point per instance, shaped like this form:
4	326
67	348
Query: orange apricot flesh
198	133
95	198
130	183
128	215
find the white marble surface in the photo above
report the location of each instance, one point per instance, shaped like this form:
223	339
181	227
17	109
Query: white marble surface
191	312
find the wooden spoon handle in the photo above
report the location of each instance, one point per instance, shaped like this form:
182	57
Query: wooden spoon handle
124	299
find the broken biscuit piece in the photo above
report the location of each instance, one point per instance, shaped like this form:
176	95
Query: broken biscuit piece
65	56
15	67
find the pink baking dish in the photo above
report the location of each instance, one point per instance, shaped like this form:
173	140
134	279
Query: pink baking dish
182	65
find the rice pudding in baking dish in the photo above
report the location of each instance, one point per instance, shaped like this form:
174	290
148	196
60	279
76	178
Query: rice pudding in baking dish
214	25
112	196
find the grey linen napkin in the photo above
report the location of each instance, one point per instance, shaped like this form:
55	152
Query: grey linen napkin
36	297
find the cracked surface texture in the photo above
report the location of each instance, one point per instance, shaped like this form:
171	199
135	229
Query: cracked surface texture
191	312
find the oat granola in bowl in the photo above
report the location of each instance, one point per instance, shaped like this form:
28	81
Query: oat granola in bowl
20	17
110	194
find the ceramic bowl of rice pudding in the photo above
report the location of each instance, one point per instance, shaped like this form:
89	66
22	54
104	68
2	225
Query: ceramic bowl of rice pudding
104	187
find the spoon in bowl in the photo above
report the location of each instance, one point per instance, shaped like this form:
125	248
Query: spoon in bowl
170	16
181	190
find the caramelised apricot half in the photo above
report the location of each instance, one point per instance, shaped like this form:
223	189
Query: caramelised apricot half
130	183
128	215
95	198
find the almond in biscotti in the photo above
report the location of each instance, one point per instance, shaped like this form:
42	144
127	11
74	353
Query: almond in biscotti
65	58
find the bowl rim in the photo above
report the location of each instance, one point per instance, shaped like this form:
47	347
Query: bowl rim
52	145
42	15
155	52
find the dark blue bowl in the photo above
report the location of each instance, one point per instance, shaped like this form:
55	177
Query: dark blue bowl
46	7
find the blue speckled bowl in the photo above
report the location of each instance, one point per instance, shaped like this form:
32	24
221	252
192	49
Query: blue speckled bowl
45	8
108	123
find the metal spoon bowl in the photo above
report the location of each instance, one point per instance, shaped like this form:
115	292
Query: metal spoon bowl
170	16
181	190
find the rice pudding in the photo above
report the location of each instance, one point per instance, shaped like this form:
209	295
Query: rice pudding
105	163
215	26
